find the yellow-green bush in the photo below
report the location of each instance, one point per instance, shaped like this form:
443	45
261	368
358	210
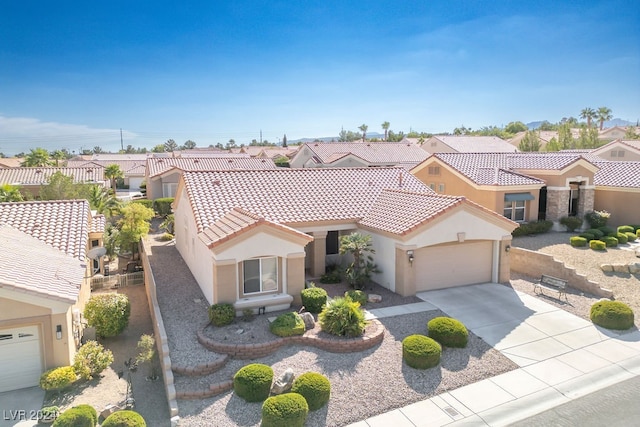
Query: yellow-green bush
612	315
314	299
421	352
314	387
284	410
287	324
253	382
448	332
626	229
631	237
597	245
578	242
622	238
610	241
91	359
342	317
58	378
221	314
78	416
124	419
358	296
108	313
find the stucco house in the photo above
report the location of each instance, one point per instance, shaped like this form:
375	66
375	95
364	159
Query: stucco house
31	179
132	170
619	150
251	238
44	272
466	144
357	154
617	191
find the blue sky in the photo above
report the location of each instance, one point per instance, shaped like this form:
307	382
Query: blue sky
73	73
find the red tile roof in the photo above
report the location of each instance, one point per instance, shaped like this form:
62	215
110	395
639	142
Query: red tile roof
39	176
128	167
376	153
477	144
617	174
159	166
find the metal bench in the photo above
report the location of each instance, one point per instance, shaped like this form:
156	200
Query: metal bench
553	284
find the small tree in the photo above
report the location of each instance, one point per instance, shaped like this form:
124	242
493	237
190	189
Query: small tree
62	187
170	146
10	193
360	270
108	313
147	354
112	173
134	224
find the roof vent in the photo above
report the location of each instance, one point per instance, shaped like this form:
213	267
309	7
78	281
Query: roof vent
160	161
216	182
89	170
196	161
38	171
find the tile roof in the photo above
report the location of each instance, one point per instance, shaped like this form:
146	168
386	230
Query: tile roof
159	166
62	224
128	167
31	266
382	153
97	223
477	144
11	162
617	174
39	176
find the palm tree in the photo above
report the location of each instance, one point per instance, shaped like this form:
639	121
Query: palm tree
360	247
588	114
113	172
10	193
385	126
363	128
38	157
58	155
101	200
604	114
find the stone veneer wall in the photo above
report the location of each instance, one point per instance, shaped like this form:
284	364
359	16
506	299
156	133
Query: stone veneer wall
557	204
585	203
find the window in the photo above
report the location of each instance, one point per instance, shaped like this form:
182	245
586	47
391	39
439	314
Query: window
440	188
333	242
169	189
260	275
432	186
614	153
621	153
514	210
434	170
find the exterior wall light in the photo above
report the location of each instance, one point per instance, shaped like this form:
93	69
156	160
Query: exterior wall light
507	248
410	255
59	332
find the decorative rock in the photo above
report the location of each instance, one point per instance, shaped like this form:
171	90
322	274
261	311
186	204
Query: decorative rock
638	252
606	267
108	410
620	268
240	331
634	268
309	321
374	298
283	383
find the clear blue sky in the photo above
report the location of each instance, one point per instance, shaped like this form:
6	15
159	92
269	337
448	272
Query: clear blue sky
73	73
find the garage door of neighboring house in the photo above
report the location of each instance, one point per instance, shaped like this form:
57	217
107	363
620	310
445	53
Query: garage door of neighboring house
446	266
20	358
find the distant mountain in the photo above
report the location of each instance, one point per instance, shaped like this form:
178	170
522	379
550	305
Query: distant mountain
330	138
609	124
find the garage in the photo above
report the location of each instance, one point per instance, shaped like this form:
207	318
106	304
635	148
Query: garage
20	357
455	264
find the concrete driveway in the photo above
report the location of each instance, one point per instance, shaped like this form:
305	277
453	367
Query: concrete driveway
20	407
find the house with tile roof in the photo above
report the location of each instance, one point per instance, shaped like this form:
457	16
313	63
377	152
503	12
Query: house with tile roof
521	186
31	179
357	154
615	132
132	170
266	152
617	191
467	144
251	238
44	285
620	150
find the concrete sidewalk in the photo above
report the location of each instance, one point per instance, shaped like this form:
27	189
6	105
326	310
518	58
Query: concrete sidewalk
560	356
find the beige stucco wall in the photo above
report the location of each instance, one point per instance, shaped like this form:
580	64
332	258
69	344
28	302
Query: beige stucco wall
295	276
579	172
226	280
623	204
629	155
405	274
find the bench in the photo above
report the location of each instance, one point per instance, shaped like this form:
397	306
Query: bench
553	284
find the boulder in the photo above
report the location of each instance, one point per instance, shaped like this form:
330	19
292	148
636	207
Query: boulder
108	410
284	382
620	268
606	267
374	298
634	268
309	321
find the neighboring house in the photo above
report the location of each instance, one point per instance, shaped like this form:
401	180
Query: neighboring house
132	170
466	144
44	285
248	237
618	191
615	132
357	154
11	162
163	174
31	179
619	150
544	137
266	152
521	186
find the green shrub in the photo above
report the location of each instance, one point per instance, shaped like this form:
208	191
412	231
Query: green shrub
222	314
48	414
597	219
108	313
144	202
314	299
448	332
626	229
166	237
124	419
288	324
572	223
597	245
597	234
638	234
333	275
358	296
636	227
342	317
578	241
533	227
612	315
58	378
162	206
588	236
314	387
421	352
91	359
284	410
608	231
631	237
610	241
253	382
78	416
622	238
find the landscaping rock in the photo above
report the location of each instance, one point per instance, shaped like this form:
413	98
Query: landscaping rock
606	267
309	321
283	383
108	410
634	268
374	298
620	268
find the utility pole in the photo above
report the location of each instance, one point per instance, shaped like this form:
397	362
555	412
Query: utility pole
121	144
260	136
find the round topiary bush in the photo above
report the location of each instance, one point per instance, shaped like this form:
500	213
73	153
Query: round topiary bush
358	296
284	410
622	238
571	222
253	382
597	234
587	236
91	359
314	387
108	313
342	317
608	231
612	315
314	299
597	219
597	245
288	324
78	416
448	332
626	229
578	242
58	378
124	419
631	237
221	314
610	241
421	352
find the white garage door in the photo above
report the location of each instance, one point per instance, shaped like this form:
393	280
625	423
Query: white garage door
20	358
446	266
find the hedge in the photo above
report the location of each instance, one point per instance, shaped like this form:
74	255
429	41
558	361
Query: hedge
533	227
162	206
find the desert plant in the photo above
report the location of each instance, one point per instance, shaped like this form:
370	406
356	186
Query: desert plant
608	231
253	382
360	246
58	378
221	314
572	223
342	317
314	387
533	227
358	296
78	416
421	352
448	332
597	233
124	418
332	275
631	237
108	313
162	206
91	359
588	236
314	299
622	238
625	229
147	354
166	237
287	324
597	219
597	245
48	414
248	315
612	315
610	241
578	241
284	410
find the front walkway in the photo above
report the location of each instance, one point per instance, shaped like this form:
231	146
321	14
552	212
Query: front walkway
561	357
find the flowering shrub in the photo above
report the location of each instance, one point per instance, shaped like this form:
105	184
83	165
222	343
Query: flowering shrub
597	218
91	359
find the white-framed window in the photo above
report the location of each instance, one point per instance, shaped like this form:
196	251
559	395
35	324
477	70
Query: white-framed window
169	189
260	275
441	188
514	210
432	186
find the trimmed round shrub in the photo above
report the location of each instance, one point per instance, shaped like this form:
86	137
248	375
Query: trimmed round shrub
58	378
588	236
342	317
596	233
638	234
253	382
314	387
108	313
597	245
284	410
571	222
91	359
124	419
608	231
288	324
314	299
610	241
448	332
421	352
358	296
578	242
626	229
631	237
162	206
597	219
622	238
612	315
78	416
221	314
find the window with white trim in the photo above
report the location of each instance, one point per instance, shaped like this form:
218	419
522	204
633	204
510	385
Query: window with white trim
514	210
169	189
260	275
440	188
